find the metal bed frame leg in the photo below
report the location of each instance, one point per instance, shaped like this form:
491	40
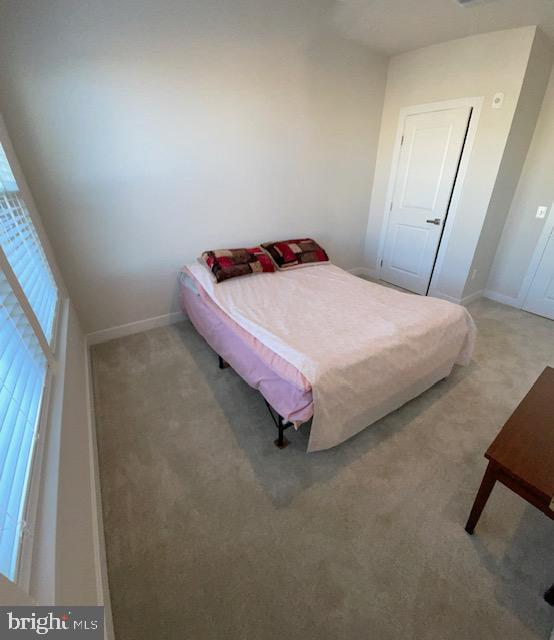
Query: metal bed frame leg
281	442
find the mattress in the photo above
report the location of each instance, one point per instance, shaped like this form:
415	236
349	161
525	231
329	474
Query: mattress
363	349
283	386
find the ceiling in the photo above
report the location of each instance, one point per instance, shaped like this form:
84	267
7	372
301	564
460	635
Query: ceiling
393	26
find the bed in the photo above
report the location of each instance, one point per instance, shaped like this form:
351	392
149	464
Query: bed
319	343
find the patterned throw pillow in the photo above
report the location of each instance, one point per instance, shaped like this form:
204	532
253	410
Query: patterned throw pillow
230	263
288	254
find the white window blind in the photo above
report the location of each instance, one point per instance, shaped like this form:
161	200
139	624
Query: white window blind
23	250
22	377
28	305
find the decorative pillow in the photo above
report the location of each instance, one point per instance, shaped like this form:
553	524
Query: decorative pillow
288	254
230	263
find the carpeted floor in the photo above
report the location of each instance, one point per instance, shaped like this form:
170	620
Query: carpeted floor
214	533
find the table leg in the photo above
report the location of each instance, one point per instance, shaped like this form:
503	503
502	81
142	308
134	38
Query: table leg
481	498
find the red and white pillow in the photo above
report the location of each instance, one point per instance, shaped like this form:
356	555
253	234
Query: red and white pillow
231	263
290	254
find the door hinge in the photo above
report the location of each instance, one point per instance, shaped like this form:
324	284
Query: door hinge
381	261
402	140
390	206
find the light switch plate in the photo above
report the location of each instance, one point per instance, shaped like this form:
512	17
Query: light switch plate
498	100
541	212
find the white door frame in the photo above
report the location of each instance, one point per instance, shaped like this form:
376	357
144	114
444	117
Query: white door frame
476	103
547	229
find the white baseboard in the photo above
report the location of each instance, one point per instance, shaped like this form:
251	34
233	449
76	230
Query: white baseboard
96	337
100	561
502	298
444	296
463	301
373	274
471	297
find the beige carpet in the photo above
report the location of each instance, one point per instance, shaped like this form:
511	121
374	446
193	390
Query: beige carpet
214	533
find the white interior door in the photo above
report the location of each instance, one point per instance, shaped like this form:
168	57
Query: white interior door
540	298
431	147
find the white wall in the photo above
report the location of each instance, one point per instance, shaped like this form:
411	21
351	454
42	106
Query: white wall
80	557
535	188
76	562
517	146
152	131
470	67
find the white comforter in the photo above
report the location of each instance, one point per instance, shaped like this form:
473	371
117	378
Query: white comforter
366	349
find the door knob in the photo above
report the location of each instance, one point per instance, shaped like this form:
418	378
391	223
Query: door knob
434	221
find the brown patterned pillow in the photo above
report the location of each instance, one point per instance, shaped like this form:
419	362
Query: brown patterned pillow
231	263
288	254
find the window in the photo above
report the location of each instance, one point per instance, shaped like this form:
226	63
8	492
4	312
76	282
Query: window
28	310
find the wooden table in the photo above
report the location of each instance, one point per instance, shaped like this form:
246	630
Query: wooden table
522	455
